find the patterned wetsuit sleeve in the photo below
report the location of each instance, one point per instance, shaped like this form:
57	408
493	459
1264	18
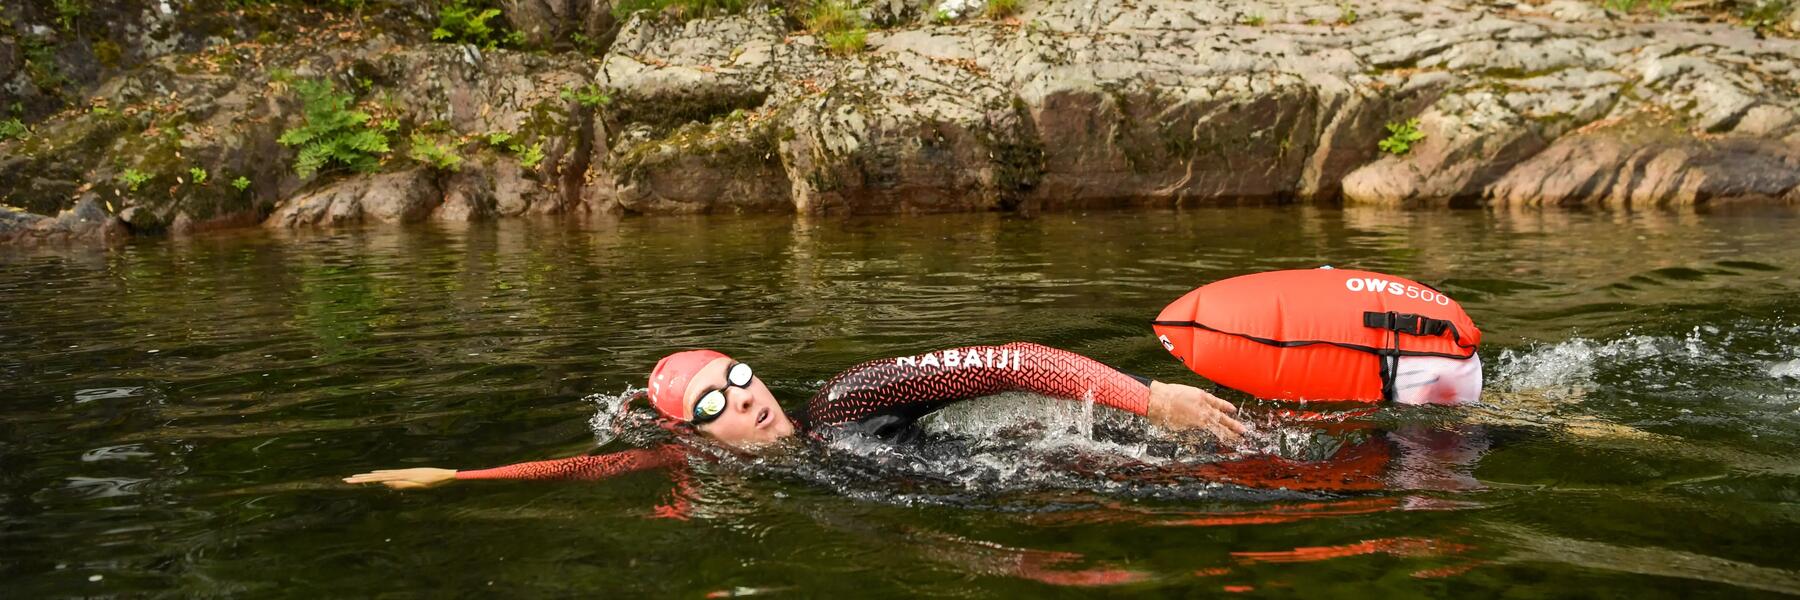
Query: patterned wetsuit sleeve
912	386
583	467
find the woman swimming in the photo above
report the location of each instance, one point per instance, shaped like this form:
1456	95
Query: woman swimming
724	400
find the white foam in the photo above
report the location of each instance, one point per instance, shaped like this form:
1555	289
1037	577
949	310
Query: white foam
608	409
1572	363
1789	369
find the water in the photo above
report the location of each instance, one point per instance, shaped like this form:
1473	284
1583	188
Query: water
177	413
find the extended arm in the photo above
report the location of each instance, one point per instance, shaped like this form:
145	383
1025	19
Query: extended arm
587	468
911	386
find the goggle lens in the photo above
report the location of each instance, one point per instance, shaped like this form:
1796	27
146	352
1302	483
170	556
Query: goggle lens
712	403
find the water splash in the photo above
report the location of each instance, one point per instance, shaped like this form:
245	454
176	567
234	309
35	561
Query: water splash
1655	361
610	414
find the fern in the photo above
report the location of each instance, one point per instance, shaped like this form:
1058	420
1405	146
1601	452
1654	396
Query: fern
463	23
333	132
433	154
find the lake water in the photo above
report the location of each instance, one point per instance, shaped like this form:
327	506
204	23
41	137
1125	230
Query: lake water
176	413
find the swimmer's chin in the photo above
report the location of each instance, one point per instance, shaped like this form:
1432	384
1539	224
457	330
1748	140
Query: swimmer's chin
779	445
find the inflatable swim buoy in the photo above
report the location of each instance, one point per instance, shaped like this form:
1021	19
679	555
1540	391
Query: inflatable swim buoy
1319	334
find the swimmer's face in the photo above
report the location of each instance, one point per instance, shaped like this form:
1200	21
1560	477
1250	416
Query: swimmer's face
751	417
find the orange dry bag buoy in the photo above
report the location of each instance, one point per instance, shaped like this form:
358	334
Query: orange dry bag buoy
1320	334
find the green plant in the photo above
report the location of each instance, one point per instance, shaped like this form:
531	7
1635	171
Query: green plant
14	129
839	25
829	16
847	42
686	9
942	17
465	23
1620	6
530	157
241	183
438	156
498	139
40	63
1662	7
1401	137
67	11
334	132
198	174
589	95
1000	9
1346	14
134	178
1253	20
1761	14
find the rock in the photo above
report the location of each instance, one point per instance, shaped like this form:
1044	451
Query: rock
1469	141
1570	10
1649	168
468	196
398	197
554	23
1765	121
732	166
1096	103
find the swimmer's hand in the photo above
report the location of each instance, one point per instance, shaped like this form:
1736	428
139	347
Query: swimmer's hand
406	479
1176	406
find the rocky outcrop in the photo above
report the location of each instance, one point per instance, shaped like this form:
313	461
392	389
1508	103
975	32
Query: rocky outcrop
1171	103
1102	103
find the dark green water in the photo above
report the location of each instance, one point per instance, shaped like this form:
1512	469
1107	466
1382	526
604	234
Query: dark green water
175	414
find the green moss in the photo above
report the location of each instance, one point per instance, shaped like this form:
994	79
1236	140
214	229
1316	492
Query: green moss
726	143
1000	9
107	53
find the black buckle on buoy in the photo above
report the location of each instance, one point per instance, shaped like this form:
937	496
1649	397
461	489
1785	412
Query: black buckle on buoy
1406	323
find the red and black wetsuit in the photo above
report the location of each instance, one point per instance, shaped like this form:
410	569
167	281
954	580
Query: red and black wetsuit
885	397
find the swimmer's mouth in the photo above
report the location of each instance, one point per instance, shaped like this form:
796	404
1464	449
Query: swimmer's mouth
762	417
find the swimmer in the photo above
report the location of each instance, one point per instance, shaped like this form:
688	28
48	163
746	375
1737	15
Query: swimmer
723	400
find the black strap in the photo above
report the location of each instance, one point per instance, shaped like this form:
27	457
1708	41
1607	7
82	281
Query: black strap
1387	356
1298	343
1408	323
1399	323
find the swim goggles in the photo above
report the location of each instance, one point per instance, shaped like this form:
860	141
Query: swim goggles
712	403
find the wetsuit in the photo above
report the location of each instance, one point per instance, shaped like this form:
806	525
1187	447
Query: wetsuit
884	398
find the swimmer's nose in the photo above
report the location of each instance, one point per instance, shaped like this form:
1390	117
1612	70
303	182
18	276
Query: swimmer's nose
742	398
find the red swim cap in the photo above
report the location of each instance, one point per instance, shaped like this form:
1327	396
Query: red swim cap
669	380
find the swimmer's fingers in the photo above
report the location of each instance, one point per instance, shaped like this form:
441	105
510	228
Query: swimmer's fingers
405	479
1229	431
1218	403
